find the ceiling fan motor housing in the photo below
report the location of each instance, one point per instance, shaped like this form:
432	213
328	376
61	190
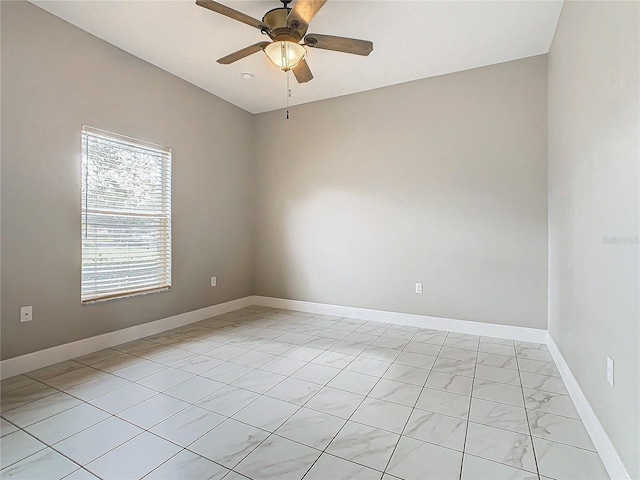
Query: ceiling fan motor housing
279	31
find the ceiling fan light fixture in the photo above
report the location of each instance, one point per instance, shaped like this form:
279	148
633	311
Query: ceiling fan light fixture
284	54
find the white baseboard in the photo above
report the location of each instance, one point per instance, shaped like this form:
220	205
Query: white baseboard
526	334
606	450
32	361
604	446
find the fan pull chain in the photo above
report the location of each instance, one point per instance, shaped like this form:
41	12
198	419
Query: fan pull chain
288	91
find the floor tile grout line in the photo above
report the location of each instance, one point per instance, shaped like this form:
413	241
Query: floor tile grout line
33	453
52	445
524	402
34	400
173	456
466	432
84	466
111	415
46	446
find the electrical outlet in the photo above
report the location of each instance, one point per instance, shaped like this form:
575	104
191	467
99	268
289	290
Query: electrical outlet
214	282
26	314
610	371
418	288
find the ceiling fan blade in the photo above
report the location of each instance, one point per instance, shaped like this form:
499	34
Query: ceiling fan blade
231	13
339	44
245	52
302	72
303	11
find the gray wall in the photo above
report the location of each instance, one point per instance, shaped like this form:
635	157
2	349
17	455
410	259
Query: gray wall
594	146
56	77
441	181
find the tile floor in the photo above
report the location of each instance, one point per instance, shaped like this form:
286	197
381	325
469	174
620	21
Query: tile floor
271	394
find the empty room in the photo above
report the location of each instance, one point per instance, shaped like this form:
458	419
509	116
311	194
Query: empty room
320	240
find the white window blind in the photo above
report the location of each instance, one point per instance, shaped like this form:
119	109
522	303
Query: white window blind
126	216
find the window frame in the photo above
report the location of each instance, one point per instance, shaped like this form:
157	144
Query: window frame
91	296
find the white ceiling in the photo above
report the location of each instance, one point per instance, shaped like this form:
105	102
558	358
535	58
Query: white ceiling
412	40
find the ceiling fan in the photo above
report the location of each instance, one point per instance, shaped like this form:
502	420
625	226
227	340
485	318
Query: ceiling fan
286	28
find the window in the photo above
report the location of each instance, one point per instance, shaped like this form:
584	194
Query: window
126	216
